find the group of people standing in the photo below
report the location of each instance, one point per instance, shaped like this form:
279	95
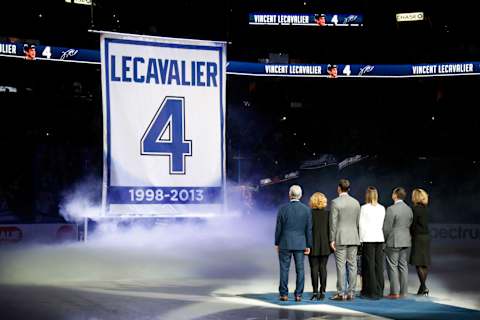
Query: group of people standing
398	235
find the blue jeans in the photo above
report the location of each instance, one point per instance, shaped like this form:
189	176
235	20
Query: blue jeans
285	256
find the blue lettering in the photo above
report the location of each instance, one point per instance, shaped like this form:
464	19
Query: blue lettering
163	69
200	72
125	69
136	78
114	76
193	73
173	74
212	71
152	71
184	76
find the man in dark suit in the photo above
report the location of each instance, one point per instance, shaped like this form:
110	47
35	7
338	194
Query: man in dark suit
293	236
396	229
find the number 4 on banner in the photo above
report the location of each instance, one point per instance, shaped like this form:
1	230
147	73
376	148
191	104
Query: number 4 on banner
165	135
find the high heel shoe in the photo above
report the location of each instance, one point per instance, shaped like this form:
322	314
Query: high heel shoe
420	291
314	297
423	292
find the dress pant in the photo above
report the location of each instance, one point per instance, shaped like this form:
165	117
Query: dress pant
372	269
318	265
397	269
285	256
346	256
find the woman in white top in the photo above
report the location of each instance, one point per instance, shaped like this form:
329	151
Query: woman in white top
372	215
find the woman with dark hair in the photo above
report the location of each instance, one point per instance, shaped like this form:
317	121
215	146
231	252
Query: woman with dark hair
318	257
420	254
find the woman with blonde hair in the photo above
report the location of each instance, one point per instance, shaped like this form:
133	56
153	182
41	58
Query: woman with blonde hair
420	253
372	215
318	257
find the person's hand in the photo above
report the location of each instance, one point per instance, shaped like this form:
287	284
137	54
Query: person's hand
332	245
306	251
276	248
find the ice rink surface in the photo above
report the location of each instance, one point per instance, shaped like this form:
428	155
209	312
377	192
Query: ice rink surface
190	271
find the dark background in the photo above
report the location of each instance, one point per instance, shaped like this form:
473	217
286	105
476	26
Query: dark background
449	32
417	132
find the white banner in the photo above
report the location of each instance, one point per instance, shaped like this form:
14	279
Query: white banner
164	124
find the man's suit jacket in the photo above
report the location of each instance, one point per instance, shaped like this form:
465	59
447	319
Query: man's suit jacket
396	226
294	227
345	214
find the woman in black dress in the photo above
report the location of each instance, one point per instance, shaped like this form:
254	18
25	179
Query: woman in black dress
318	257
420	254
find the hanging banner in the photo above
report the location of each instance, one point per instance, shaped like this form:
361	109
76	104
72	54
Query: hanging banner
164	114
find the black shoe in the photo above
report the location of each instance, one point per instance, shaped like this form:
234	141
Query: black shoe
321	296
423	291
314	296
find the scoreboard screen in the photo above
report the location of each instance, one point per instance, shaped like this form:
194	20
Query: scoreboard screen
307	19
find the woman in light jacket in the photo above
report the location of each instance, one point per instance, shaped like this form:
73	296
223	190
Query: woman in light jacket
372	215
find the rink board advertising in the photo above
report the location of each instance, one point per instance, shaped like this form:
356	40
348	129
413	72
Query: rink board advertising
164	115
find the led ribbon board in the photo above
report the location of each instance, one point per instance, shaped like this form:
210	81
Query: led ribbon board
30	51
355	70
76	55
164	115
306	19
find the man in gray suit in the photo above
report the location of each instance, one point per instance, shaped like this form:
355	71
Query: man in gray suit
344	239
293	236
396	229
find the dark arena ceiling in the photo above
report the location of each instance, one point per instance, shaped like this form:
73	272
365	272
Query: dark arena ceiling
448	33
